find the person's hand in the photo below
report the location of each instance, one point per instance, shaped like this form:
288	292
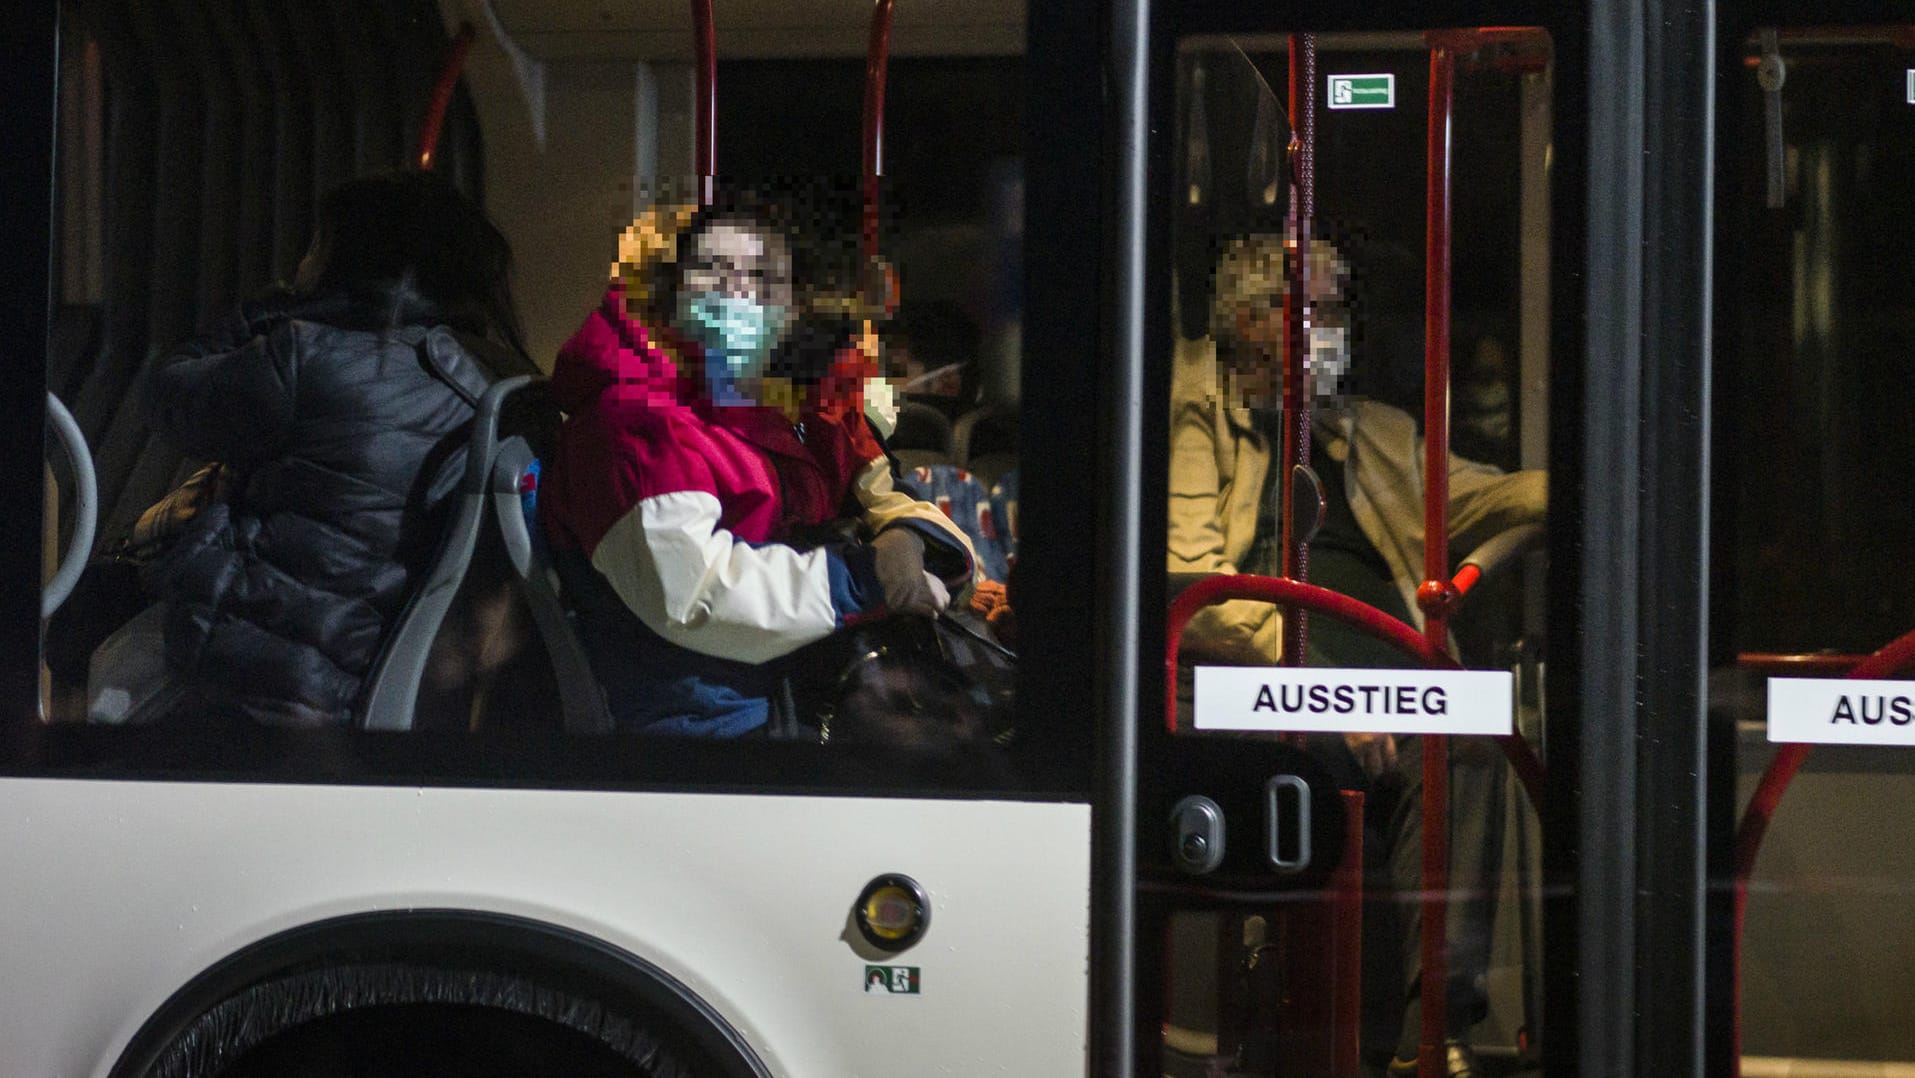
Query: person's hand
908	589
1375	753
940	595
988	598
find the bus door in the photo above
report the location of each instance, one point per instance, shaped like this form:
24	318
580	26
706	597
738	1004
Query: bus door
1354	368
1813	602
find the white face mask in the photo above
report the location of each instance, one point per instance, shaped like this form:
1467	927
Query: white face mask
1329	358
881	405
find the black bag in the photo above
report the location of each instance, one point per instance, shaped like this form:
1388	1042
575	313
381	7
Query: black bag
112	590
912	682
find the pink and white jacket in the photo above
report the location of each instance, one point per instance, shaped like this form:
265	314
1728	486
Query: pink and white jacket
673	521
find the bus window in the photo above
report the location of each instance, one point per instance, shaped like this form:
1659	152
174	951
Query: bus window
1334	344
1812	525
395	440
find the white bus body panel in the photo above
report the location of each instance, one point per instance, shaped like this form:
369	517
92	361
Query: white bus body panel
115	894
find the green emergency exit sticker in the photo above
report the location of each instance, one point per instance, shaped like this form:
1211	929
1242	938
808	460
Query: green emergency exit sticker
1362	91
891	980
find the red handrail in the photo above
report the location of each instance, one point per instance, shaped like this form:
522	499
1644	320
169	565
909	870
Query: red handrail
1894	657
1436	596
877	56
1270	589
705	101
1798	664
441	99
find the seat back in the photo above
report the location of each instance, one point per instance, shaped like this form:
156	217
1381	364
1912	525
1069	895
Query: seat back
581	698
922	438
392	685
962	498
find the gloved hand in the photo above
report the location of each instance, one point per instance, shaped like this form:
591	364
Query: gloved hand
908	589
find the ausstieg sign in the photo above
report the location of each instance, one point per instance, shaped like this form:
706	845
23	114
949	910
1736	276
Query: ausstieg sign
1362	91
1343	700
1840	711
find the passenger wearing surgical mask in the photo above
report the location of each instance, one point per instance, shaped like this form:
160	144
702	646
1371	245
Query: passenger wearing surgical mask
714	431
1226	517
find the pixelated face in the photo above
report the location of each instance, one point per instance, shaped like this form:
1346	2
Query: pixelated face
733	259
1250	292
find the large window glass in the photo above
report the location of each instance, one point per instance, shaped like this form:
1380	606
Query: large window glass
467	422
1815	516
1358	306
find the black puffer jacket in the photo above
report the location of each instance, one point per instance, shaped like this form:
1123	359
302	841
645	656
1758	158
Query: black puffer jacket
346	428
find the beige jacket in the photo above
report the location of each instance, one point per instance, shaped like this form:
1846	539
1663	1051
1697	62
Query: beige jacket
1220	467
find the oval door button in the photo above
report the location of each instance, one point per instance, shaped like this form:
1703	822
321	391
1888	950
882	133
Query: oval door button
1196	835
1287	829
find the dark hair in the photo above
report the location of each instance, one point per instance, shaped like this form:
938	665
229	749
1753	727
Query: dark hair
412	241
939	332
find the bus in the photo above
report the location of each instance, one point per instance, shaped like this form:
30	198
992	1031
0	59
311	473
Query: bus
1535	370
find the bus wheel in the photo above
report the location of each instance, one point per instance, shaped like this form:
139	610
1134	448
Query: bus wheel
379	1019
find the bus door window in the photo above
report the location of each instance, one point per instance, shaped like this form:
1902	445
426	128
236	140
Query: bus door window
1812	524
1307	286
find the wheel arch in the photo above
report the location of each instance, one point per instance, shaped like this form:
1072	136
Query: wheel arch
560	965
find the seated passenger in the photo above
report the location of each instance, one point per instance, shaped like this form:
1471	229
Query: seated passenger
1226	402
1225	517
339	414
688	473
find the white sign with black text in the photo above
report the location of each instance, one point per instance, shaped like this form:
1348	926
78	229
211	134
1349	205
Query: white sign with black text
1337	700
1841	711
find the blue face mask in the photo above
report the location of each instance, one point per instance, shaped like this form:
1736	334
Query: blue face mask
736	333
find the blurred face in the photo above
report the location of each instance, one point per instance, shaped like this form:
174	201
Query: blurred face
1249	323
733	259
734	300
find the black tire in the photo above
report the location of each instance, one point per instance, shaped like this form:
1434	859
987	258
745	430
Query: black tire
430	993
392	1019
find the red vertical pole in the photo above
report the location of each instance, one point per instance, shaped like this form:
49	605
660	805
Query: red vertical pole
705	104
1435	595
441	100
877	55
1346	897
1296	322
1320	936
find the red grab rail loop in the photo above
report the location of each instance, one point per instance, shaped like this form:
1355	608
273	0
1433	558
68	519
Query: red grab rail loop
1894	657
877	57
705	102
427	153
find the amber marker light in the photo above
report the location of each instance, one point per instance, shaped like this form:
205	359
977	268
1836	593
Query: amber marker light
893	912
